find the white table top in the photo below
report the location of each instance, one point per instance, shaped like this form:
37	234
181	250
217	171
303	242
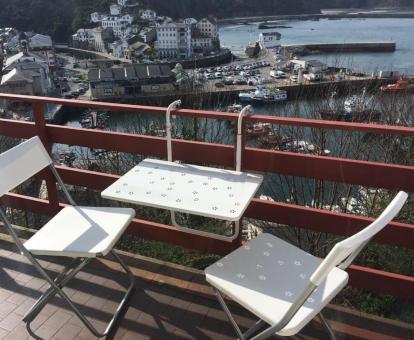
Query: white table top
209	192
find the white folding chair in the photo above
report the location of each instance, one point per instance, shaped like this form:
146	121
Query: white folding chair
80	233
284	286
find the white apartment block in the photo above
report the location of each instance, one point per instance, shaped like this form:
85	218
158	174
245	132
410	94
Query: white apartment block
174	40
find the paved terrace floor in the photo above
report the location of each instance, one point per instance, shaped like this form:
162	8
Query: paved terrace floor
170	302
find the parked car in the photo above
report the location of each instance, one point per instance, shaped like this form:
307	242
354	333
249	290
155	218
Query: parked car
278	74
228	81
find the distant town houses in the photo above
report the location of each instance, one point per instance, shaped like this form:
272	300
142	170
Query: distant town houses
28	62
129	48
149	15
148	35
38	44
162	37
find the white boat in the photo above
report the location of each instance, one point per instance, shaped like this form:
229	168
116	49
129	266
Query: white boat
235	108
302	146
359	103
355	108
263	95
258	129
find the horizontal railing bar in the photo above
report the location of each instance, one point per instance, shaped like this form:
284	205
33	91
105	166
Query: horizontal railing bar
325	221
120	107
138	227
395	234
360	277
349	171
371	174
382	282
185	150
303	122
335	125
17	128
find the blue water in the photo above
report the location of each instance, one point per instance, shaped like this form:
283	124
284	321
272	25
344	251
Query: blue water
401	31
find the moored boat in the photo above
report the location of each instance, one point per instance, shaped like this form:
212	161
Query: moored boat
235	108
258	129
263	95
355	108
402	85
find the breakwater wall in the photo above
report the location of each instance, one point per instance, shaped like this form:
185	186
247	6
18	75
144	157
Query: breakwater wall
356	47
316	17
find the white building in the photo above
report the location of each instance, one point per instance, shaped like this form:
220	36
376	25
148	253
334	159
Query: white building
128	17
208	27
119	25
96	17
84	35
83	38
100	36
118	47
122	3
149	14
40	42
269	39
174	40
115	9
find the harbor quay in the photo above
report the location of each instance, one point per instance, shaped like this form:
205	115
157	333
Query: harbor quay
211	94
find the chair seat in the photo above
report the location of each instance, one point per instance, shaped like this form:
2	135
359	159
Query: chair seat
81	232
267	275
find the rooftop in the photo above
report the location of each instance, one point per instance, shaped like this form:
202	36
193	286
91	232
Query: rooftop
130	72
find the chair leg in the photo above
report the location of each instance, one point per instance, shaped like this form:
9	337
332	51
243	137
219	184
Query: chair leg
260	324
61	281
228	313
327	327
56	288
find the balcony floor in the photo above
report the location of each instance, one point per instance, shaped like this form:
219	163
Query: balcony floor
170	302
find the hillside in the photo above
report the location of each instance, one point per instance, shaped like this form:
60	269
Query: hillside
60	18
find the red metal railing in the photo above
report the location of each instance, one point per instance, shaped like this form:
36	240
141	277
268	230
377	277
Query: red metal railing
371	174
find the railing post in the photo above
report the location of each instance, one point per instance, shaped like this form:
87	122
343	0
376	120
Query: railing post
41	131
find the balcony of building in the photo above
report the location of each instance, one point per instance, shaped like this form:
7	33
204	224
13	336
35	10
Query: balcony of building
172	301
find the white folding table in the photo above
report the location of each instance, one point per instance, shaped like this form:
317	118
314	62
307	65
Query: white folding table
178	187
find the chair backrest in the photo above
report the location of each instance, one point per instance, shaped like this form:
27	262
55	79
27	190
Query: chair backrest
22	162
344	252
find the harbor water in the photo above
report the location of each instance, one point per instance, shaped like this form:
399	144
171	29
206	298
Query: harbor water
400	31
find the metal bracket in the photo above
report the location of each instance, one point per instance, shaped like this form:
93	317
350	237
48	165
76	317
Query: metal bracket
168	126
